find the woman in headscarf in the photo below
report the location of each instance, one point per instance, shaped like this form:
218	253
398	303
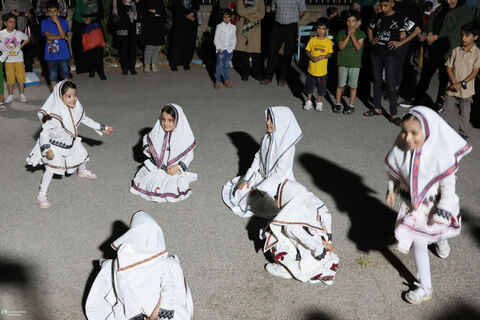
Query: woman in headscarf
59	146
249	32
422	166
273	163
143	282
169	148
300	237
125	15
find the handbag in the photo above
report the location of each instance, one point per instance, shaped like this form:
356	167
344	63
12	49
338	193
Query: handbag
92	36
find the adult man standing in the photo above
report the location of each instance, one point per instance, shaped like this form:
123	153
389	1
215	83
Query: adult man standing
284	30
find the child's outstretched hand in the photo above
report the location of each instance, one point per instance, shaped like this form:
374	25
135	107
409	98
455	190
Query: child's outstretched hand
391	198
50	154
108	130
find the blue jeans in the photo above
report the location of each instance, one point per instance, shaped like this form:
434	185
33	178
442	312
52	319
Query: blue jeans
58	65
223	61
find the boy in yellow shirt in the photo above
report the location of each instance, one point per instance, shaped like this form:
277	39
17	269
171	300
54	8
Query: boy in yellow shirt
319	49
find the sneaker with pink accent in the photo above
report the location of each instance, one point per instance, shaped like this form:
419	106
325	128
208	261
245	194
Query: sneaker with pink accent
42	202
87	174
278	270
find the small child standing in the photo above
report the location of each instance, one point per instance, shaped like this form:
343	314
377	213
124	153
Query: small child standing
319	49
59	147
349	60
57	55
13	41
225	41
462	68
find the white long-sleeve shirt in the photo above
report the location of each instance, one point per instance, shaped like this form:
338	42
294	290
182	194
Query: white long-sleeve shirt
225	37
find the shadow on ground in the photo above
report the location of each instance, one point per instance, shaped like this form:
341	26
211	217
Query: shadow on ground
137	150
458	310
246	146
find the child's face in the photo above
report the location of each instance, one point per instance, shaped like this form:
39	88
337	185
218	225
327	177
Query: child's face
321	31
468	39
52	12
412	134
10	24
226	18
452	4
70	97
387	6
167	122
269	123
352	23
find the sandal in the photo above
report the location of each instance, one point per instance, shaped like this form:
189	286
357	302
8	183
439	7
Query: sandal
371	113
2	107
87	174
419	295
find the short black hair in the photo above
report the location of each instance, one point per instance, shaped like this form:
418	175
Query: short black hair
227	11
7	16
471	28
352	13
52	4
331	10
321	22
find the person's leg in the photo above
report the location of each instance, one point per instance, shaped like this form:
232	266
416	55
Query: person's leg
428	70
83	172
46	179
442	81
123	52
218	69
290	36
99	62
464	117
341	83
309	87
132	48
353	74
276	40
400	64
226	65
257	65
64	69
155	51
321	84
390	69
377	69
10	71
190	43
52	66
147	56
243	59
423	292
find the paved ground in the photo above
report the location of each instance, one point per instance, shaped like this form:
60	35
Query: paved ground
46	257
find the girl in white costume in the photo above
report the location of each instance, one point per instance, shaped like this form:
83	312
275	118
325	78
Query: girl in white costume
300	237
59	147
143	282
422	166
273	163
169	147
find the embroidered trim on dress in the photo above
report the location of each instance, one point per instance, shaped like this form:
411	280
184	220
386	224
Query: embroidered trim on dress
161	195
139	262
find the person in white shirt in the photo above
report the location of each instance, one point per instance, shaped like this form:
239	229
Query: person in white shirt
225	41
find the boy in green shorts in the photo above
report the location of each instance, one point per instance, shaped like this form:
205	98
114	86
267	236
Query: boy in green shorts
349	60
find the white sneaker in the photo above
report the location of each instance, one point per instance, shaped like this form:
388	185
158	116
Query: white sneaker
443	248
9	99
87	174
308	105
147	68
319	106
278	270
23	98
154	68
42	202
419	295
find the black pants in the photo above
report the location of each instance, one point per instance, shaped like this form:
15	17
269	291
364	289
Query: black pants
378	64
94	60
430	66
184	40
127	50
244	64
281	33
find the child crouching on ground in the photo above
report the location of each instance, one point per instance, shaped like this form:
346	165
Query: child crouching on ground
225	41
319	49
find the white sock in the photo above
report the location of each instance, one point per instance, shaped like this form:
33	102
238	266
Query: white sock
46	179
82	167
420	251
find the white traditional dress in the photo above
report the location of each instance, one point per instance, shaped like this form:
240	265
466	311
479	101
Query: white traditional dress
300	236
166	149
142	275
425	180
272	164
60	134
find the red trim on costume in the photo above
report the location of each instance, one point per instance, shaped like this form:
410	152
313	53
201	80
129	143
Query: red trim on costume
139	262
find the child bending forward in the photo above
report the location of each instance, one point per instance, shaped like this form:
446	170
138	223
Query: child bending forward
143	282
273	163
300	237
59	147
169	146
422	166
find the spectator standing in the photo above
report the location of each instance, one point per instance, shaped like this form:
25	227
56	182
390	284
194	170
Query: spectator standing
184	33
14	40
57	54
249	33
384	33
336	23
284	31
125	15
154	28
349	60
225	40
462	68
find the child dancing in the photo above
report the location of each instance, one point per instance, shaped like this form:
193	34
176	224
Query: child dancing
273	163
143	282
59	147
169	148
300	237
422	166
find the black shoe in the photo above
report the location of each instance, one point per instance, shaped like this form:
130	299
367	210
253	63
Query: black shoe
186	68
173	68
348	110
397	121
245	78
337	108
91	74
133	71
124	72
102	76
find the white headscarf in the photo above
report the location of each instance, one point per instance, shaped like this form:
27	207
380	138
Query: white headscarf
436	159
55	107
286	133
141	255
181	139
